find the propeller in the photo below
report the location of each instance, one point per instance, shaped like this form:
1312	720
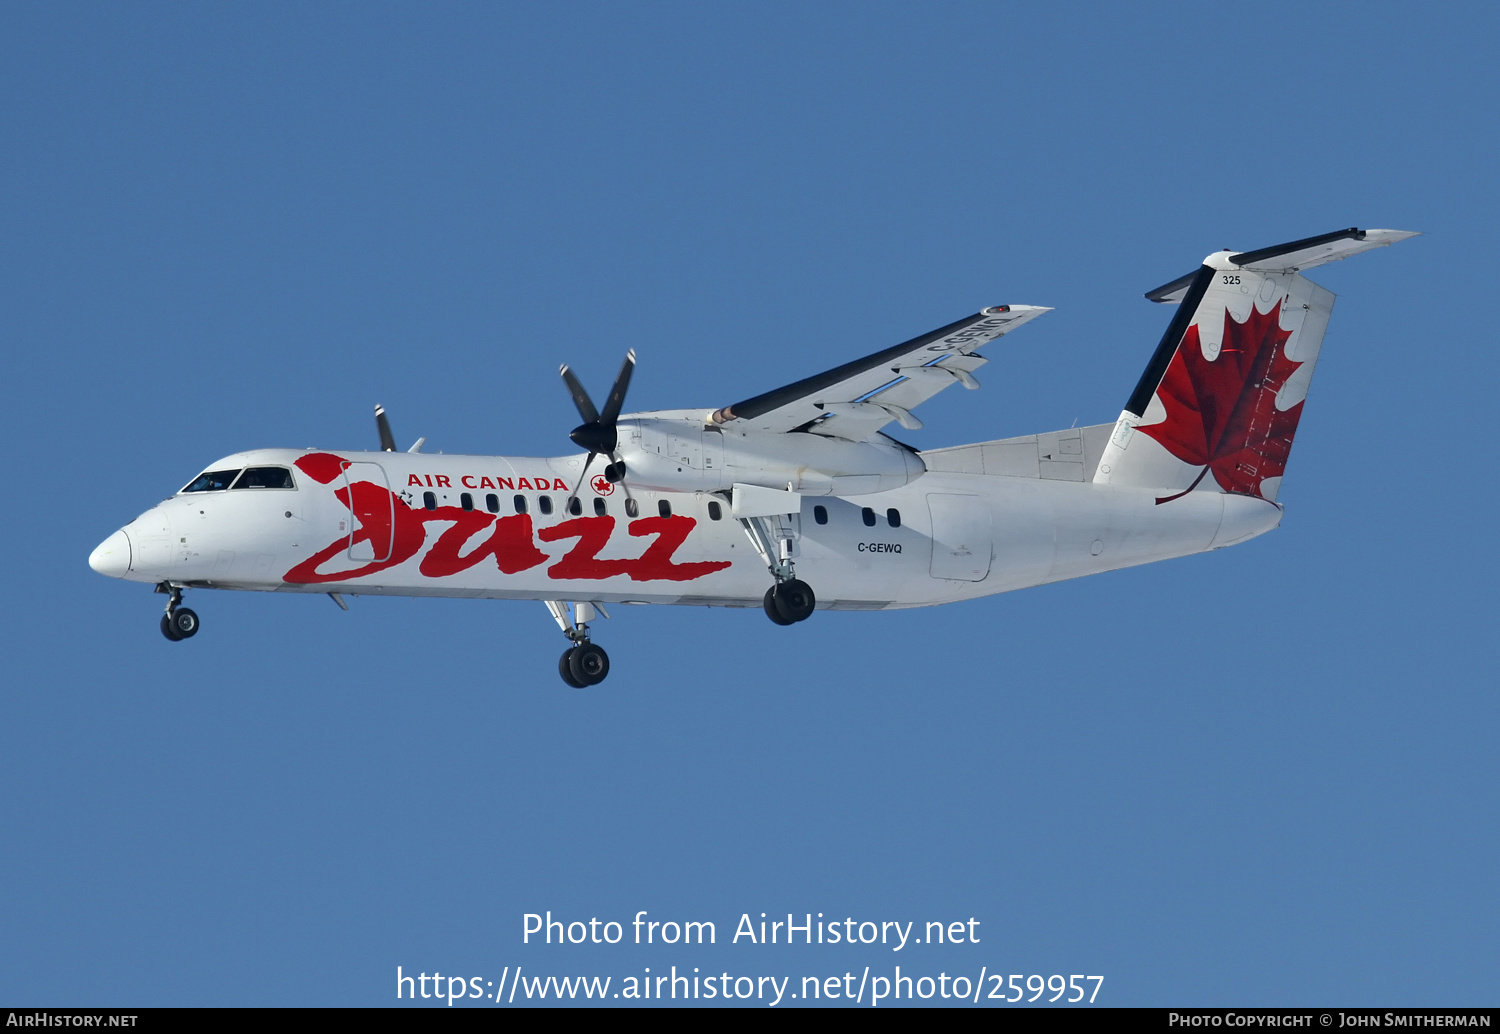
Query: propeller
597	433
387	440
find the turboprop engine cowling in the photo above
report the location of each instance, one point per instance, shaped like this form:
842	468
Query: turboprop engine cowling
676	452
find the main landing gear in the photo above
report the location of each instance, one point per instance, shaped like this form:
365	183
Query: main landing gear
790	600
584	663
178	623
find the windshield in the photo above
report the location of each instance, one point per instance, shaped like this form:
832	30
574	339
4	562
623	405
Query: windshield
212	481
265	477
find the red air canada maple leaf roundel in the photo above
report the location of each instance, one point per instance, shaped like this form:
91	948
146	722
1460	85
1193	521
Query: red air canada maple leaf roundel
1221	413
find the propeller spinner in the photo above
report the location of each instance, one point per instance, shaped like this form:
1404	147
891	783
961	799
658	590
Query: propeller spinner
597	433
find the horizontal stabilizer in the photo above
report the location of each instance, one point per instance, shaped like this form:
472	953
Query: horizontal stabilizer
1173	292
1292	257
1316	251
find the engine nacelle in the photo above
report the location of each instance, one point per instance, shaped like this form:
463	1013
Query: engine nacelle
681	451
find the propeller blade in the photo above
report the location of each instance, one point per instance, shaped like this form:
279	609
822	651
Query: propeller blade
617	393
597	432
580	397
620	465
568	504
387	440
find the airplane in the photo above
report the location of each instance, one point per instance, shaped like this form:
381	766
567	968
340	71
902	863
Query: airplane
792	500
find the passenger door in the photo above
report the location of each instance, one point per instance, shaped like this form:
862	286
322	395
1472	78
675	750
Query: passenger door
374	508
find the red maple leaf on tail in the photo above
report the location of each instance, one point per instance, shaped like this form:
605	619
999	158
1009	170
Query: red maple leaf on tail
1222	414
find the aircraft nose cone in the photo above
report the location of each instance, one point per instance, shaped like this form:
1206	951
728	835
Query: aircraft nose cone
112	556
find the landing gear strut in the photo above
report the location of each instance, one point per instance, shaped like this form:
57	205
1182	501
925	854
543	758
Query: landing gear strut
178	623
790	600
583	663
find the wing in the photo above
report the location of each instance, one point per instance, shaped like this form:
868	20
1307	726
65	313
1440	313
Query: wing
856	400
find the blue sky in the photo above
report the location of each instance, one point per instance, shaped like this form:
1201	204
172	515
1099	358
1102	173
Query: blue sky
1261	776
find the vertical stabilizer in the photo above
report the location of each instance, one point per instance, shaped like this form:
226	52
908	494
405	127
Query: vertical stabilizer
1218	405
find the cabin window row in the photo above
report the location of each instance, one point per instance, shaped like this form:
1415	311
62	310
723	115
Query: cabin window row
574	506
866	514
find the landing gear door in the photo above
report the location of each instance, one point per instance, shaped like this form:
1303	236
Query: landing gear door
371	531
961	537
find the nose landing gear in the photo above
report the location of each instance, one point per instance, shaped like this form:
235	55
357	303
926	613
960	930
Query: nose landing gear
178	623
584	663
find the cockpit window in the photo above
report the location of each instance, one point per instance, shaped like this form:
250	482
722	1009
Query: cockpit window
265	477
212	481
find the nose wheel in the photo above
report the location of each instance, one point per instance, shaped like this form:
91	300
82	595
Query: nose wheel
178	623
181	624
584	663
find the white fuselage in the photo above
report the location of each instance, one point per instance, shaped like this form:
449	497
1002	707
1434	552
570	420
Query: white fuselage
942	537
